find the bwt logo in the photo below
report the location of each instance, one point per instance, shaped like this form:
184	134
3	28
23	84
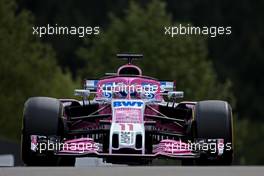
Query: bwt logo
127	103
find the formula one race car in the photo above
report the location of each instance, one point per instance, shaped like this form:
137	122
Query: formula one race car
126	118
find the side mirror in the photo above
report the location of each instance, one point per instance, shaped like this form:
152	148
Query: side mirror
173	95
82	92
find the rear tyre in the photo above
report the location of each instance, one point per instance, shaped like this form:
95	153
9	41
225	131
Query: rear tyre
42	117
213	120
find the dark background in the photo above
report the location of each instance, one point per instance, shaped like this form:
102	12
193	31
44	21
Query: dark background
229	67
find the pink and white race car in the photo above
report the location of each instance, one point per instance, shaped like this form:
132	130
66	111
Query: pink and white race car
126	118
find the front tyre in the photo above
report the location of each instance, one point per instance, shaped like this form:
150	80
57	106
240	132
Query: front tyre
42	116
213	120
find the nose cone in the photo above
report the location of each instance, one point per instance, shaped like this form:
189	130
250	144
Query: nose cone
128	111
127	129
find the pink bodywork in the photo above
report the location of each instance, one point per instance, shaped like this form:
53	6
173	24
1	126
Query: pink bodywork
129	81
166	147
138	81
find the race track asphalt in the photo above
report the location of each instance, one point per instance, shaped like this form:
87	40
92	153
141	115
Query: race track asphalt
132	171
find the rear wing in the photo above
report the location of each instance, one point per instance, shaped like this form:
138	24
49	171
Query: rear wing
166	86
129	57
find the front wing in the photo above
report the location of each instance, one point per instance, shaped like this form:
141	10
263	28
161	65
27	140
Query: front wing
86	147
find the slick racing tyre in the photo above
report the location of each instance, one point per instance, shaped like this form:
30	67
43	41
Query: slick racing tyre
213	120
42	116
